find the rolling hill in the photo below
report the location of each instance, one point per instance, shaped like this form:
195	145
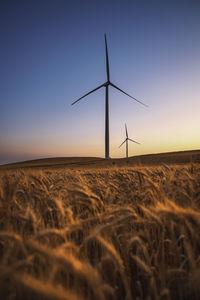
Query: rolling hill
181	157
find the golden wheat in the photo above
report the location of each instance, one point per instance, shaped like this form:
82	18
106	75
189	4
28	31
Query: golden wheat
118	233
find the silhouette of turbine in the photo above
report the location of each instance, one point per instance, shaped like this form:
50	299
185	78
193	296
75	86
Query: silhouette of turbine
106	84
126	140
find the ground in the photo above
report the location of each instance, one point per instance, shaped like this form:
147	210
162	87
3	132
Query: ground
89	228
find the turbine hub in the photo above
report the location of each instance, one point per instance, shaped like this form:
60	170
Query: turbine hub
107	83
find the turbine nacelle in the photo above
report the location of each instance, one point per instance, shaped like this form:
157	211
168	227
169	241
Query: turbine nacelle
107	83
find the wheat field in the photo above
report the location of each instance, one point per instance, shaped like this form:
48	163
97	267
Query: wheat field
110	233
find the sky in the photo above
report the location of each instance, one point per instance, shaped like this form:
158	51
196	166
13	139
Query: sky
53	51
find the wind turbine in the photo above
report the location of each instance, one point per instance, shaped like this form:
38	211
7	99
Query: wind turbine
126	140
106	85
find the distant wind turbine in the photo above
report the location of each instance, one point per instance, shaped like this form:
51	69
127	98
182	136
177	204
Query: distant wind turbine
126	140
106	84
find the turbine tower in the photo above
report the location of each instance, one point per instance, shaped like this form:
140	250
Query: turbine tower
106	85
126	140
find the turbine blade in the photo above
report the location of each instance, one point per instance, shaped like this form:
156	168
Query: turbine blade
88	93
126	131
107	60
122	143
133	141
128	94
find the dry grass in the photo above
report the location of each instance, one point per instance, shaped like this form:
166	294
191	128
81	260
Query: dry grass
129	233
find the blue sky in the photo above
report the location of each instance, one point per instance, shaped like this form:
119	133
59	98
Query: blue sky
53	52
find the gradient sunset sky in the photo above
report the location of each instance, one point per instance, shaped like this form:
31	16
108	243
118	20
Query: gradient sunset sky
52	52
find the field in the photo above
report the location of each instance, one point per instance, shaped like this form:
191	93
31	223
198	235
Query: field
117	231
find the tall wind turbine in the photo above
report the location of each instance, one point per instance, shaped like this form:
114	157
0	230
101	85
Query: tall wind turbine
106	85
126	140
